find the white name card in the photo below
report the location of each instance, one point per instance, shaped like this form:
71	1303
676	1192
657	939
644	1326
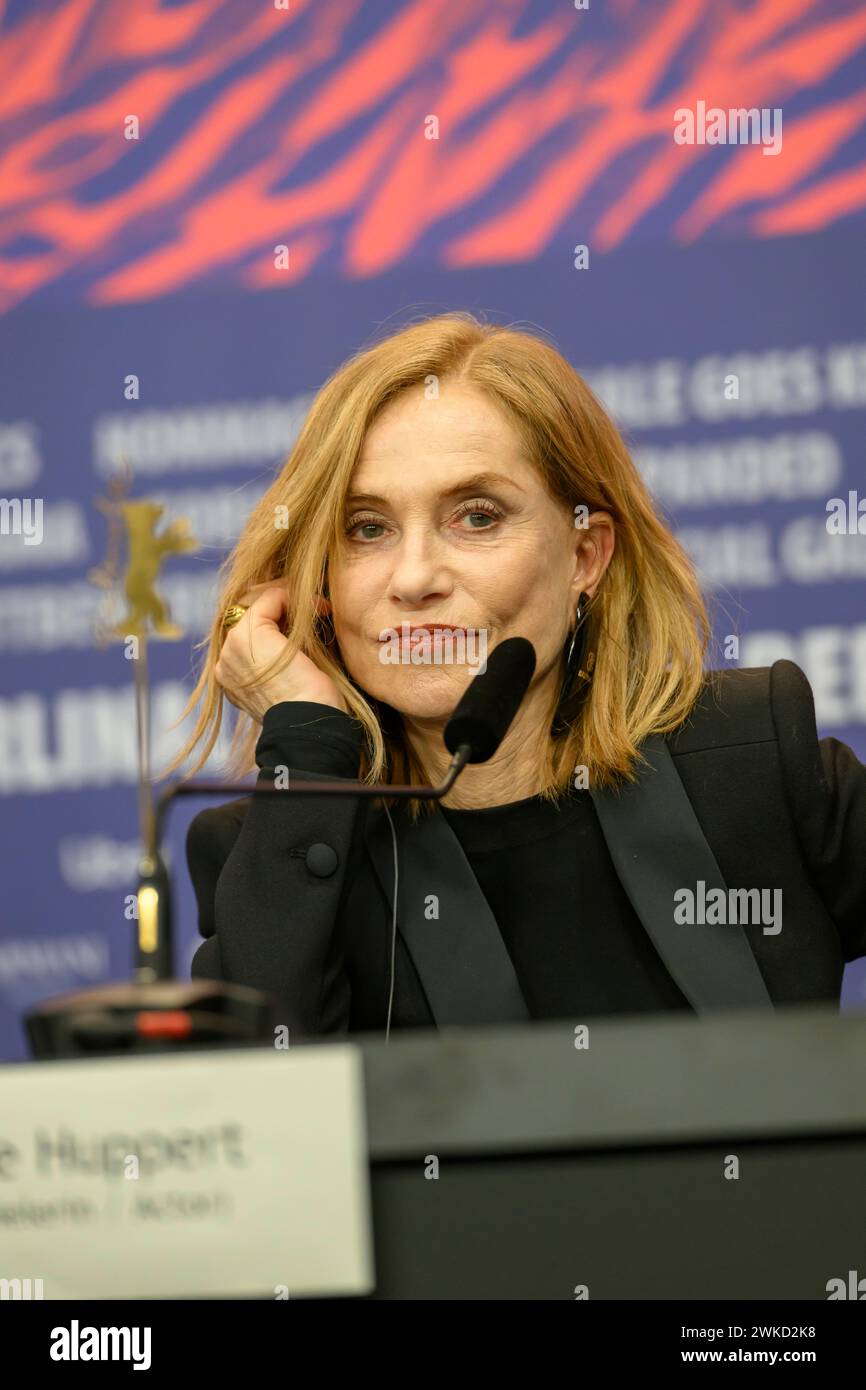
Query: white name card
222	1173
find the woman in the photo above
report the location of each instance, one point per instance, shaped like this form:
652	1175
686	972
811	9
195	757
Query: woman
646	837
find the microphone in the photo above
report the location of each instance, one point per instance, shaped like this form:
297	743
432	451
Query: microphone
156	1011
472	735
491	700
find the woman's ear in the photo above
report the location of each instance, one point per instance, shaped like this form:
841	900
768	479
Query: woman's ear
593	551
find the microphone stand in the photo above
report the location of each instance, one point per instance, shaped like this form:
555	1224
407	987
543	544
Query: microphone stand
154	1012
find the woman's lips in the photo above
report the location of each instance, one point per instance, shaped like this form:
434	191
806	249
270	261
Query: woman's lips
440	644
406	632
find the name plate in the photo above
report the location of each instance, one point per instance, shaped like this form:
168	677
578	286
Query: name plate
224	1173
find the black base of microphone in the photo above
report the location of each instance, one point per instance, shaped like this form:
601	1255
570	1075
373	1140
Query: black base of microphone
164	1016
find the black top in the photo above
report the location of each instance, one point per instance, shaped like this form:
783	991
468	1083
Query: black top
534	862
294	894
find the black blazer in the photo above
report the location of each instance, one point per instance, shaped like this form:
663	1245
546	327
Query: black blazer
295	895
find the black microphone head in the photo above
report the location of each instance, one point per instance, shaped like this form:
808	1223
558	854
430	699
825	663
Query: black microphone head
491	700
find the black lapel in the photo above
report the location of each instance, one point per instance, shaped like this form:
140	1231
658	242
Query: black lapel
658	848
461	958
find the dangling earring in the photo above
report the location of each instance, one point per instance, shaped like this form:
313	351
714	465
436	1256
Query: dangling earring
578	673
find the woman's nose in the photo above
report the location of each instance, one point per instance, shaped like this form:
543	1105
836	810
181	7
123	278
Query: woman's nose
418	569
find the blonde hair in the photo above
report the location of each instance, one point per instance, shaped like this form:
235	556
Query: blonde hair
647	624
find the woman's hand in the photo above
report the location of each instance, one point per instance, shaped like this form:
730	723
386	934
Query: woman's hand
254	643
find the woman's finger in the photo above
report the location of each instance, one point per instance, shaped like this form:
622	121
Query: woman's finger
254	594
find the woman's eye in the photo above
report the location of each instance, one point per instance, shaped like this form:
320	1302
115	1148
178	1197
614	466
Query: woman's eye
477	508
364	526
482	509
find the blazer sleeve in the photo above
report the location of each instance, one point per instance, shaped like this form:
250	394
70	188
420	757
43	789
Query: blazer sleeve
825	784
270	909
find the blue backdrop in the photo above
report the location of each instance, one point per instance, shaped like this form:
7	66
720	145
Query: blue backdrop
157	254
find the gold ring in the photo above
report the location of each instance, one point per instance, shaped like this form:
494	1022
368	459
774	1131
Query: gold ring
233	615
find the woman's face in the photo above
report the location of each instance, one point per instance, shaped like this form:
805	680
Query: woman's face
432	541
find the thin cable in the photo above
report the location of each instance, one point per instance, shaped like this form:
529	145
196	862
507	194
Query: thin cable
393	926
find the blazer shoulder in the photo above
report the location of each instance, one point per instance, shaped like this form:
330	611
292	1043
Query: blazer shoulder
755	704
210	836
215	828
